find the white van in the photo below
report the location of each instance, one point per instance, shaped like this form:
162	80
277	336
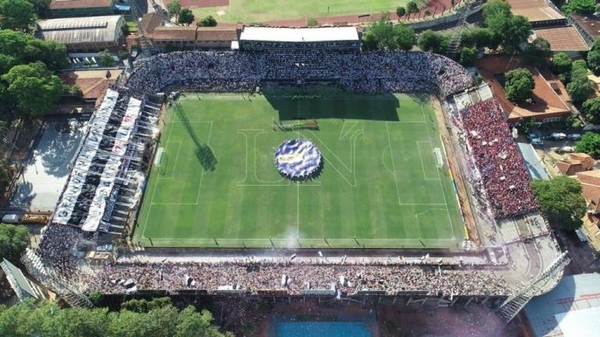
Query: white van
11	218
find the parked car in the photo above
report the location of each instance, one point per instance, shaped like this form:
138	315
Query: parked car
565	149
574	136
535	139
558	136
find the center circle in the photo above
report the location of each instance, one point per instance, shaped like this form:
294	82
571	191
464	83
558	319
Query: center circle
298	159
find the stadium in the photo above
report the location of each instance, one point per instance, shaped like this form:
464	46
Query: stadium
300	169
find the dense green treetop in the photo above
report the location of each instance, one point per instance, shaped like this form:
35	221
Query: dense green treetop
591	108
590	144
34	88
49	320
585	7
579	87
186	17
13	241
16	14
561	200
538	52
384	35
561	63
519	85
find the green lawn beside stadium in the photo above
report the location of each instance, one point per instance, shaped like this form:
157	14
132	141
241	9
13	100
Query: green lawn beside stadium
254	11
215	183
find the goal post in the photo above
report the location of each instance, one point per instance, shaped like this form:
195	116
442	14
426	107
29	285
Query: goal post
438	157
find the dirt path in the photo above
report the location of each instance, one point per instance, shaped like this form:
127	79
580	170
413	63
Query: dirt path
465	205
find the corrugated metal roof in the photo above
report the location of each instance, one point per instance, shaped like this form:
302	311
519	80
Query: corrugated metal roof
573	299
72	4
299	34
82	30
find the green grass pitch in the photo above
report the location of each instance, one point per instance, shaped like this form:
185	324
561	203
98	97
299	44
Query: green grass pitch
255	11
216	183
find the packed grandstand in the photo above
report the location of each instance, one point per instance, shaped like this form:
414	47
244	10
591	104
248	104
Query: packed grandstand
105	185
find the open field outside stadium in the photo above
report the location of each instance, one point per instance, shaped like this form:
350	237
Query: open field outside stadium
255	11
214	182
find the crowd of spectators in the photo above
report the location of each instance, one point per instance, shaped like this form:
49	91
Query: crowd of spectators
365	72
506	180
504	176
293	278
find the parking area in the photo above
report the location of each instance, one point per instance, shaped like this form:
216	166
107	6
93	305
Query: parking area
48	168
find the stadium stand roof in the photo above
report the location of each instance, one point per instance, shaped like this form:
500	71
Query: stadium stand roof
22	286
272	34
571	309
68	4
216	34
176	33
563	39
81	30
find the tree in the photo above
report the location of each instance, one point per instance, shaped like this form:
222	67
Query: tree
13	241
590	144
384	35
16	14
538	52
579	86
593	58
400	11
584	7
468	56
561	200
33	88
207	21
496	7
174	8
519	85
478	37
512	29
412	7
433	42
40	6
312	22
106	58
50	320
561	63
591	107
186	17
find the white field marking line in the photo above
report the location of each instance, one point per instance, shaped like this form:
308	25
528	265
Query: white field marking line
387	148
246	166
199	183
278	182
344	132
450	223
421	159
353	160
241	183
178	142
266	239
393	163
171	120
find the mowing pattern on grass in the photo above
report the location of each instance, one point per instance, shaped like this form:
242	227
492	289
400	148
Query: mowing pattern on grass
250	11
215	183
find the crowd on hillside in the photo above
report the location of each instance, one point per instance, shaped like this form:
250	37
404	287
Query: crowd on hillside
293	278
365	72
504	176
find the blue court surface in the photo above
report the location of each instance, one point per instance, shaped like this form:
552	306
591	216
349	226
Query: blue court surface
322	329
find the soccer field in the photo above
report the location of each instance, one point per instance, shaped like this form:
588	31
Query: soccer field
253	11
214	182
